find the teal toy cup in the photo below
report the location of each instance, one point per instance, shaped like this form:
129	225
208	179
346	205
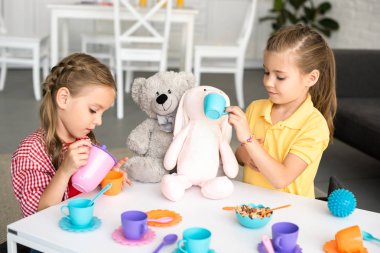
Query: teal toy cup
79	213
214	106
195	240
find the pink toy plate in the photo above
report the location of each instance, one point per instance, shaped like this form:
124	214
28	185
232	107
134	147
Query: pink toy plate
118	236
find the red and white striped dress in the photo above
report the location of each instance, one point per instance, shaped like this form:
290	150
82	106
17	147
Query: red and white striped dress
32	171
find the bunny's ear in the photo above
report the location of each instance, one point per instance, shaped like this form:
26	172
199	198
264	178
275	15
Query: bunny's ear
226	128
181	118
136	89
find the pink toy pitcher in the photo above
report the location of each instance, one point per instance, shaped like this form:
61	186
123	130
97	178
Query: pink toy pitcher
100	162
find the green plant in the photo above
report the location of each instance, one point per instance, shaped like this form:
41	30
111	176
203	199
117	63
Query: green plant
287	12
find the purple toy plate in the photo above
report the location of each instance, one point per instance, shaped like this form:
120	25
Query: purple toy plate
261	248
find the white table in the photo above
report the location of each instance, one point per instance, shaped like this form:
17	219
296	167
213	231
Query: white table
64	12
316	223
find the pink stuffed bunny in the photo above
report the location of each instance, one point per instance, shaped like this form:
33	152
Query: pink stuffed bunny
197	147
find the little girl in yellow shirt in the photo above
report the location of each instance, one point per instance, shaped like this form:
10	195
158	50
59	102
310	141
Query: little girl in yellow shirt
283	137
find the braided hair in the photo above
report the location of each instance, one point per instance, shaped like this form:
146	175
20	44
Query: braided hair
74	72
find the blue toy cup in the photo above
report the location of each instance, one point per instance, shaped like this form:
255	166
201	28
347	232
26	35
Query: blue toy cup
214	106
80	213
195	240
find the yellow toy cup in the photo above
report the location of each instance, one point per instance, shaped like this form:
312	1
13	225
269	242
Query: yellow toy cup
116	179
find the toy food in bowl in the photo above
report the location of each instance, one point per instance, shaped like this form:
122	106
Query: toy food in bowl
253	216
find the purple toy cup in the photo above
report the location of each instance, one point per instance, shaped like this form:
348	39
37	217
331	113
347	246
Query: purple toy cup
284	236
134	224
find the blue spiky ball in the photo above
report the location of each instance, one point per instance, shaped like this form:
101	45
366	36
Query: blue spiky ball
341	202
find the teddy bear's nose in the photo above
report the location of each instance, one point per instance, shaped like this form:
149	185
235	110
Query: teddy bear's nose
161	99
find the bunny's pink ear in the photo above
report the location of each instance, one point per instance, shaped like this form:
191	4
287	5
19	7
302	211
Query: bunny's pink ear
225	127
181	118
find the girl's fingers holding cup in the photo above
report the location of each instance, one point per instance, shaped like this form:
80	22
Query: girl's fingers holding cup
120	163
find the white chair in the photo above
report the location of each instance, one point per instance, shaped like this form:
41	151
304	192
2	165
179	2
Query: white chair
91	44
140	42
227	59
27	51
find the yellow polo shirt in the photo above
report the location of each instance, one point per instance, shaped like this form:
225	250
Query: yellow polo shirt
305	134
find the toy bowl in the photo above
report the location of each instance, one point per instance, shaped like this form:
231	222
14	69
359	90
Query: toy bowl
248	222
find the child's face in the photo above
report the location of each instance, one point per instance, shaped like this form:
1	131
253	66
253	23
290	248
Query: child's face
79	115
283	80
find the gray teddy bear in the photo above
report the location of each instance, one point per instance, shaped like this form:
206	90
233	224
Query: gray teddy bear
158	96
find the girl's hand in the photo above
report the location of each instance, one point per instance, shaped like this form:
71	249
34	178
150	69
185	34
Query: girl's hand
76	156
238	120
117	168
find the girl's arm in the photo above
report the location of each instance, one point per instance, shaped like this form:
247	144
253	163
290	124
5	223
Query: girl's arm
278	174
75	157
243	157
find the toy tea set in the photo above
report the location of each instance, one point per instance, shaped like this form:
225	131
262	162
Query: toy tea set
136	225
78	214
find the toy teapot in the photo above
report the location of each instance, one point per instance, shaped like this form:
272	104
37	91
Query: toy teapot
100	162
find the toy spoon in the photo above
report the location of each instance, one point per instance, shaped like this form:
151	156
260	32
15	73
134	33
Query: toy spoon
368	237
168	239
267	244
230	208
105	188
161	220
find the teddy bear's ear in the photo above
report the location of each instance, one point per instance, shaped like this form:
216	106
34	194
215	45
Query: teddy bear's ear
181	118
189	78
136	88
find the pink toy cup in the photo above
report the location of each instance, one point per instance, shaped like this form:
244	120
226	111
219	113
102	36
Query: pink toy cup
99	163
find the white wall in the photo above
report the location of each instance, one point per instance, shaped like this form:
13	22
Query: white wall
359	25
219	22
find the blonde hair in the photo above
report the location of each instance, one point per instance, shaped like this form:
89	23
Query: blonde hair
312	52
74	72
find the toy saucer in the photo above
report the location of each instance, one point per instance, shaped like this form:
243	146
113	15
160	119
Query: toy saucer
159	213
261	249
65	224
118	236
177	250
331	247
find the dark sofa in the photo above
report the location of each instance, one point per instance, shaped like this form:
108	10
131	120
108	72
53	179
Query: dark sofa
357	121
